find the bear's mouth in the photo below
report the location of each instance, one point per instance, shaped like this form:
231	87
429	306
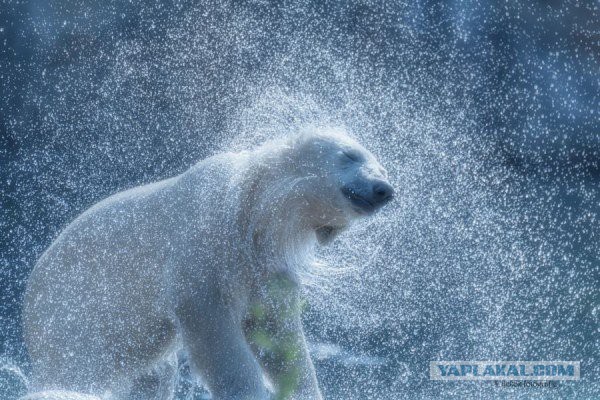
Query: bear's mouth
326	234
359	204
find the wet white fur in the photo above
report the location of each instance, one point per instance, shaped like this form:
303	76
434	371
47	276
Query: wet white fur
178	264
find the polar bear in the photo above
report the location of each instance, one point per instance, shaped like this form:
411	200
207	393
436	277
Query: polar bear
208	262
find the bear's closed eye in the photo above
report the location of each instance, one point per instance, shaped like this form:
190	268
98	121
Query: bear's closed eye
352	155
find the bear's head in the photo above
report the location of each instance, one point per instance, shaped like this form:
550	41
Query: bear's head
344	181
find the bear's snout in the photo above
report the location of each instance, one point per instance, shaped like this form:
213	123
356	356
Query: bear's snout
383	192
369	195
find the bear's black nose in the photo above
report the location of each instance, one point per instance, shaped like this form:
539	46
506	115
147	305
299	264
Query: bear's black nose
382	192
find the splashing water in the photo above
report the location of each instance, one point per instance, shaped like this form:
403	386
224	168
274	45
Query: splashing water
487	126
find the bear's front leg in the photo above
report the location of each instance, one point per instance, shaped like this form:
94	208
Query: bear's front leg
219	352
275	330
287	362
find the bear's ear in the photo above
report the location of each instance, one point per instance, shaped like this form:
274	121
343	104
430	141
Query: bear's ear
326	234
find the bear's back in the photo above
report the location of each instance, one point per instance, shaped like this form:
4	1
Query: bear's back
107	272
